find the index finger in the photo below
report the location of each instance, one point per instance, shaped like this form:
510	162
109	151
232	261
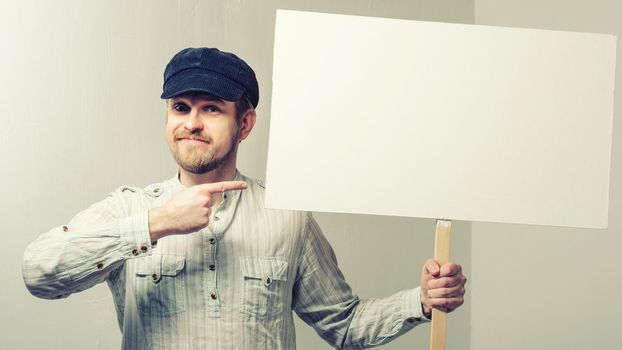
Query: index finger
224	186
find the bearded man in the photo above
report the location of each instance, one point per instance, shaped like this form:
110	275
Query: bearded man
198	262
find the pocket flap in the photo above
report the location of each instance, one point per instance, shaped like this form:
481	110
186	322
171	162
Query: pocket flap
165	265
261	267
172	264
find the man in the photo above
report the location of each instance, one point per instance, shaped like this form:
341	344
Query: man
197	262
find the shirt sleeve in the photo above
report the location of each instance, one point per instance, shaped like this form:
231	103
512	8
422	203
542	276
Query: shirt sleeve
324	300
84	252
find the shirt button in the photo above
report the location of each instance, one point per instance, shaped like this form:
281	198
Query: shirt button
134	252
212	267
154	277
216	218
143	248
213	295
65	228
267	280
100	266
156	190
212	241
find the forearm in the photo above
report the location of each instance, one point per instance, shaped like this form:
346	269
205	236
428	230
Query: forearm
325	301
75	257
378	321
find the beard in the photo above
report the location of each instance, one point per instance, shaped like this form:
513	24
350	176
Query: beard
197	162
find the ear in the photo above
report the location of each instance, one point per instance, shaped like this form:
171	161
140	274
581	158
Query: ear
246	124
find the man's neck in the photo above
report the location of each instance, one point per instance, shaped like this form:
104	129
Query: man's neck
225	172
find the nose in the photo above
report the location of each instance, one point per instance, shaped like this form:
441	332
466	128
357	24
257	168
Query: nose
194	121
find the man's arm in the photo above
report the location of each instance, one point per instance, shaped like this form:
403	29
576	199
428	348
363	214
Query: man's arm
324	300
97	241
85	251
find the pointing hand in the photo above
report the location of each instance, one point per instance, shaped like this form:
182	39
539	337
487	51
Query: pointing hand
189	210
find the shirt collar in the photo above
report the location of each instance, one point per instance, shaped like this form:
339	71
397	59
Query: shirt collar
178	186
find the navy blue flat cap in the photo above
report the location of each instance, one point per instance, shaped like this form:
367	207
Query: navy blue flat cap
210	70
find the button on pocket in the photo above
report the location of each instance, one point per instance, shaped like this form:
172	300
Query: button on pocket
263	285
159	284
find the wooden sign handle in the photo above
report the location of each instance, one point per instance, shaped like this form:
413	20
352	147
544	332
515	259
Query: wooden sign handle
441	255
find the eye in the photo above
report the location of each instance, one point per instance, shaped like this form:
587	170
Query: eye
212	109
180	107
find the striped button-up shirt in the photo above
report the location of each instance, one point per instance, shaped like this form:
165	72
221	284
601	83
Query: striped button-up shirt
231	285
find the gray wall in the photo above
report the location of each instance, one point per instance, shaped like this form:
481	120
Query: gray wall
551	288
81	116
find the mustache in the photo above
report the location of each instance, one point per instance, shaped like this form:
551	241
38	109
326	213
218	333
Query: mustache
193	136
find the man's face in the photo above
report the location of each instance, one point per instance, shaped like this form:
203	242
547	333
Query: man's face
202	132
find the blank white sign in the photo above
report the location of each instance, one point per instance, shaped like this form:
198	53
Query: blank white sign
464	122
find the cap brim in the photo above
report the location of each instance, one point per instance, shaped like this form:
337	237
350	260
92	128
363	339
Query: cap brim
202	80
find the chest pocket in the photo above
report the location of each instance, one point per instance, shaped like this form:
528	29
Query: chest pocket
159	284
263	285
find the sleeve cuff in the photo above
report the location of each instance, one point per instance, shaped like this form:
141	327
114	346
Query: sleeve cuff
134	233
413	310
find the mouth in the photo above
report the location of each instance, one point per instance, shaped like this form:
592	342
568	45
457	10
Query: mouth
192	140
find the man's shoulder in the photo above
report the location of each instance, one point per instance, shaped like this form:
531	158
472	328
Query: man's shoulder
252	182
256	188
255	191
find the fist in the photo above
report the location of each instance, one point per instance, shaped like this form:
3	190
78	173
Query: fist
442	287
189	210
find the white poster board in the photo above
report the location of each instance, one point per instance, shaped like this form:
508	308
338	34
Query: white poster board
421	119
